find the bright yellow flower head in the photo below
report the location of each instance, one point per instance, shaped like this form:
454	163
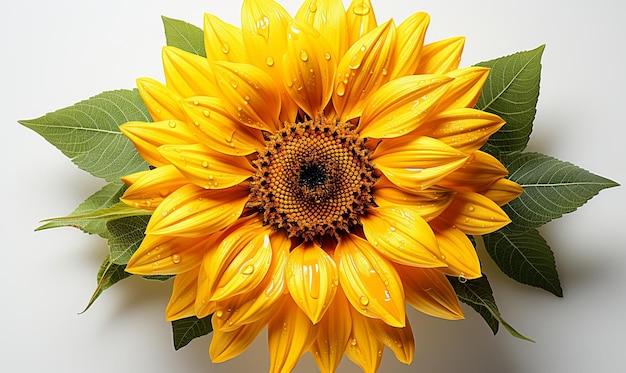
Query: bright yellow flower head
312	175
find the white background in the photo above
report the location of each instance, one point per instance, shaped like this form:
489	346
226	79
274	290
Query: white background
55	53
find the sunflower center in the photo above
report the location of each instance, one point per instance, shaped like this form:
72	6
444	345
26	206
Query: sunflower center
314	179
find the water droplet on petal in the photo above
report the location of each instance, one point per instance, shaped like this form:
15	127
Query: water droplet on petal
313	7
462	278
364	300
175	258
219	313
357	59
225	48
361	9
341	89
205	164
471	208
206	113
304	56
248	270
172	124
269	61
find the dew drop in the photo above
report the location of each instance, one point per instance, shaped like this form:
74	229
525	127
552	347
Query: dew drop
205	164
392	228
172	124
164	213
357	59
206	113
269	61
248	270
175	258
233	84
364	300
384	71
353	342
219	313
313	7
471	208
225	48
262	27
361	9
327	56
304	56
462	278
341	89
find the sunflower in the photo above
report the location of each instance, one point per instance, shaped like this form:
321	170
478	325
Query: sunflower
313	174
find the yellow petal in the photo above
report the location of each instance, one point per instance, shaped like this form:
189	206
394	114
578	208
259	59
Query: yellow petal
162	103
441	56
370	282
249	94
181	304
474	213
401	105
402	236
264	26
466	88
333	334
363	69
223	41
167	255
148	136
364	347
411	34
226	345
249	307
327	16
290	334
215	127
429	291
240	262
416	162
503	191
192	211
463	129
187	74
207	168
457	249
399	340
312	279
149	189
308	68
480	171
360	18
427	203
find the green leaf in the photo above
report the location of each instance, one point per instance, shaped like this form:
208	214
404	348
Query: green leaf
551	188
108	275
88	133
525	257
511	91
158	277
478	295
187	329
106	197
117	211
126	236
183	35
